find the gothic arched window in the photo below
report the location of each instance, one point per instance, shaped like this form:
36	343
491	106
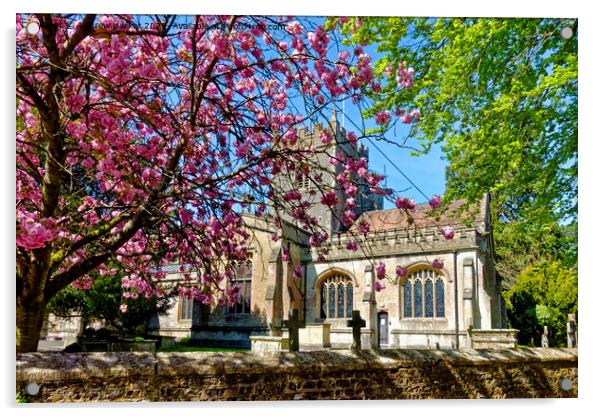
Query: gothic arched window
336	297
243	278
423	295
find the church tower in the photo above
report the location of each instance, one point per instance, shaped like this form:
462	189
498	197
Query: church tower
329	219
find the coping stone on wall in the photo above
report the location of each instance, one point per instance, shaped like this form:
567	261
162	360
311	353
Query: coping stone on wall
39	367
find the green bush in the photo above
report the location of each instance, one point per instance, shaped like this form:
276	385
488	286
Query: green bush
544	294
184	342
102	302
21	398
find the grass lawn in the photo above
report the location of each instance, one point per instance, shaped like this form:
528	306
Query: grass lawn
186	348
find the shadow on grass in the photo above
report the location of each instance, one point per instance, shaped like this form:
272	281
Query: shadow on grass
190	348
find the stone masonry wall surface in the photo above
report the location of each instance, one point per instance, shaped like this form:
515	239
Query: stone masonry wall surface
392	374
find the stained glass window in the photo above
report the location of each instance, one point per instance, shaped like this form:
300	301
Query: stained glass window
418	298
407	299
428	298
247	296
336	297
323	303
440	296
185	310
331	300
340	301
349	300
242	278
423	295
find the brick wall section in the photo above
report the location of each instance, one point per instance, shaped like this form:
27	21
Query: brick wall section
401	374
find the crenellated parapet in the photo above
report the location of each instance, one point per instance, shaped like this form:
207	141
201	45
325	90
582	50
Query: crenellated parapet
396	242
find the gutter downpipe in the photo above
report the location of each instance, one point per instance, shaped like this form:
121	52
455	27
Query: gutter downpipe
457	325
304	293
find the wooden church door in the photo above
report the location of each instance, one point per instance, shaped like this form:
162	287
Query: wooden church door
383	328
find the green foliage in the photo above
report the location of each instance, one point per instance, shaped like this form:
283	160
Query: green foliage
519	245
501	97
21	398
102	302
184	341
544	294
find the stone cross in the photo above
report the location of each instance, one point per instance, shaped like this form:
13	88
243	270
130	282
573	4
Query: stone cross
545	343
571	331
293	324
357	323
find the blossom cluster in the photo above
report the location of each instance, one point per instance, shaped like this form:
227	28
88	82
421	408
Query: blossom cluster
164	142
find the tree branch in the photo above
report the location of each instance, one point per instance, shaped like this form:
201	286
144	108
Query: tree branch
84	30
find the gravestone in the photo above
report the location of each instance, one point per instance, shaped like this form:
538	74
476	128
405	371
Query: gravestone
357	323
571	331
545	343
293	324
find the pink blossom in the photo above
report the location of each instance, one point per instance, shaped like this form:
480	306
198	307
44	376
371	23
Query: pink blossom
437	264
411	117
363	227
405	203
448	233
219	44
123	308
83	283
298	271
401	271
32	234
207	298
326	137
317	238
137	140
285	256
329	199
352	245
352	137
292	196
380	270
405	77
379	285
185	216
351	190
294	28
319	40
435	201
348	218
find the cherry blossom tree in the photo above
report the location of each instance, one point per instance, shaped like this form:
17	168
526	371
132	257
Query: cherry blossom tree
145	140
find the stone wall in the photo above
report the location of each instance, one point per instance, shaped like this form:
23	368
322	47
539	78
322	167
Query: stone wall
399	374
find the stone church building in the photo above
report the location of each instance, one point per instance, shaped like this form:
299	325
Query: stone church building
456	306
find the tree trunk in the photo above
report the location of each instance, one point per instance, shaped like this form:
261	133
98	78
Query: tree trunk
29	324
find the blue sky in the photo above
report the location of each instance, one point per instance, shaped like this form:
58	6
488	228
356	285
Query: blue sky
426	172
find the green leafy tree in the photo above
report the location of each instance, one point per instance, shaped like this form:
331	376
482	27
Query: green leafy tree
519	245
544	294
104	300
501	97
